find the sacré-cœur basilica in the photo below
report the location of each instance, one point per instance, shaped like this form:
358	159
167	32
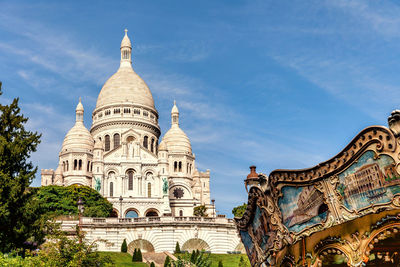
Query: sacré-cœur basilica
153	186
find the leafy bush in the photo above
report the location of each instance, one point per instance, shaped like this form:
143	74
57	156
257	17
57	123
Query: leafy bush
60	250
61	200
196	258
220	264
239	210
200	211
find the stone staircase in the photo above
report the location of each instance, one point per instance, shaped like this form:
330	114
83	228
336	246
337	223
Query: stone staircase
157	258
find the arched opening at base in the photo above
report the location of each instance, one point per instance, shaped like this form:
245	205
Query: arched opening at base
151	213
144	245
195	244
114	213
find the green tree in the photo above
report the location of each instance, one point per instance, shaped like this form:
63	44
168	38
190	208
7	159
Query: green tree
239	210
220	264
134	256
139	255
200	211
19	220
167	262
152	264
62	250
198	259
177	248
124	246
61	200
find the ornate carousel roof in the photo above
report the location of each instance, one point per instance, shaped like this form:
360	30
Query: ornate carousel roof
342	212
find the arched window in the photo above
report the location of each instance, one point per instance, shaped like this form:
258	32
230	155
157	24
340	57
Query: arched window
67	167
152	145
63	166
181	213
91	166
111	189
175	166
180	166
131	214
149	189
75	164
130	180
116	140
145	142
88	166
107	143
80	164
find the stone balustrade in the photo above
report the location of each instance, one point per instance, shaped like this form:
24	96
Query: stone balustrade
140	220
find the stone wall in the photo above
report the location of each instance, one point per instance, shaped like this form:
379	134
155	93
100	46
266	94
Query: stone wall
219	235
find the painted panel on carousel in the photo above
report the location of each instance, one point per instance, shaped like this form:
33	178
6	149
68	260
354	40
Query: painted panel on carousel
302	207
258	233
371	180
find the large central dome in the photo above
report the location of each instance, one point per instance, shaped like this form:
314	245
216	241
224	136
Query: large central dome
125	86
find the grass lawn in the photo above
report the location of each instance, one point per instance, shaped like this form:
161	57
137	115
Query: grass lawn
228	260
123	259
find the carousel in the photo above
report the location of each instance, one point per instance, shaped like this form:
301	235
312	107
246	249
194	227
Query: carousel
343	212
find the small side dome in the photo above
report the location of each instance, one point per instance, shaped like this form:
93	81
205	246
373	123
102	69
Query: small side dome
78	139
177	141
98	144
162	146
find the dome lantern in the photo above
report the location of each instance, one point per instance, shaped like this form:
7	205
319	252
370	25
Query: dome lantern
79	111
175	114
125	86
126	51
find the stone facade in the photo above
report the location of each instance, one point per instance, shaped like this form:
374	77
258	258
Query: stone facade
158	234
121	156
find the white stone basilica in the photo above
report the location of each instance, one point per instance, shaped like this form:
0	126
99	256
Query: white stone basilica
121	156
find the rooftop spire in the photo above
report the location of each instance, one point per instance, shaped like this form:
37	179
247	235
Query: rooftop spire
175	114
79	111
126	51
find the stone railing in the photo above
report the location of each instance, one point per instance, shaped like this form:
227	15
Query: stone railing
150	220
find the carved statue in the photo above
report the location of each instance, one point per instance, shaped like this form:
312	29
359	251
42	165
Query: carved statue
165	186
98	184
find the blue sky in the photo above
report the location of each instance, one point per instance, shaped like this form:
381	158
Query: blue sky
278	84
